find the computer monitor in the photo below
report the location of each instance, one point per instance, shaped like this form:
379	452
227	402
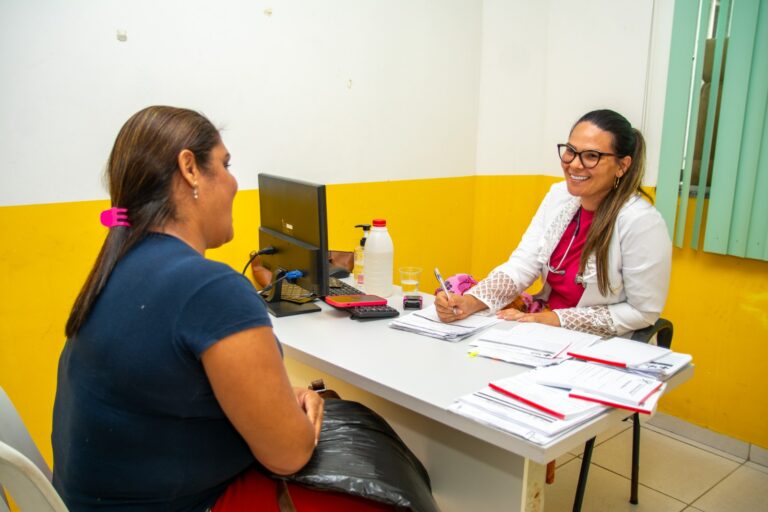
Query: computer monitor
293	221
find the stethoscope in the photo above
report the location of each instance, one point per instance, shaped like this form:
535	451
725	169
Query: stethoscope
557	269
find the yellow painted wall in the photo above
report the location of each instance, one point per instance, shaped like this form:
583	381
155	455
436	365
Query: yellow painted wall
422	218
504	205
718	303
47	250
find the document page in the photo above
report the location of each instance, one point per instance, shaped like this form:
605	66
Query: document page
648	406
471	322
610	383
664	367
551	400
426	322
620	352
530	344
546	338
512	416
522	337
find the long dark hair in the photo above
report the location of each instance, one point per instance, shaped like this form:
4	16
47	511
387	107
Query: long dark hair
140	173
627	141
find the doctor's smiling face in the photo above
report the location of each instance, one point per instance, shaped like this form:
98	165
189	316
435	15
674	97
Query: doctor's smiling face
590	164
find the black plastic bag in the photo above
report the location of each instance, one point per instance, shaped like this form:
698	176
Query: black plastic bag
358	453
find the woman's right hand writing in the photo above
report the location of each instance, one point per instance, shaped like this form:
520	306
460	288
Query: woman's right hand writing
456	307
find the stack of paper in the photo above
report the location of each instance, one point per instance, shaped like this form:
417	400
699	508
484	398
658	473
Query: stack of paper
553	401
563	393
663	367
620	352
425	321
530	344
526	419
603	385
635	356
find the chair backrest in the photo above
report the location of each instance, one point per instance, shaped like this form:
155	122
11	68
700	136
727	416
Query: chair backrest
29	487
663	330
14	434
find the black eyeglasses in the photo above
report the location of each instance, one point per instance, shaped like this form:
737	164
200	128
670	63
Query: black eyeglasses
589	157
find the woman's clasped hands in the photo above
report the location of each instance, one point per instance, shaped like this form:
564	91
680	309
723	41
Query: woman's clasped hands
543	317
312	404
451	308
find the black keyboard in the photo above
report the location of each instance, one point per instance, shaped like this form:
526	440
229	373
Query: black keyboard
372	312
295	293
338	287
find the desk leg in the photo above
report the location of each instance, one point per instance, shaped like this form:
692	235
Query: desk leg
635	458
535	476
581	486
467	474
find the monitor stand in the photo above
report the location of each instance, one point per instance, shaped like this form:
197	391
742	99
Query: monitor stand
278	307
285	308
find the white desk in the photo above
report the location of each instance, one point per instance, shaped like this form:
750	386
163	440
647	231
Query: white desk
410	380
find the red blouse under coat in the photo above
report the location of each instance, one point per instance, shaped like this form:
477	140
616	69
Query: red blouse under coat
566	293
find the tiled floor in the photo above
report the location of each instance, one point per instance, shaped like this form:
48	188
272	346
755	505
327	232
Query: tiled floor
675	475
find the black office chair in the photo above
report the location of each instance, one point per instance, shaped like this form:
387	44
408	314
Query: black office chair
663	331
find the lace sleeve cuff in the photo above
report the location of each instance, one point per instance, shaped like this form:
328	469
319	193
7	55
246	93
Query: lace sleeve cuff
495	291
592	319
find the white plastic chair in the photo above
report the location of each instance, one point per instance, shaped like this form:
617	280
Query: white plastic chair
28	486
23	471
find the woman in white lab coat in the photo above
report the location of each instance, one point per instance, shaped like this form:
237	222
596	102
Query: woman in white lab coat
598	243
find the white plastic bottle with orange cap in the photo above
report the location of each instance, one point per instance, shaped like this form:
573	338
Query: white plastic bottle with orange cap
379	260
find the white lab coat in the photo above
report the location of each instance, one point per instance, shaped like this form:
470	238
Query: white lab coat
639	258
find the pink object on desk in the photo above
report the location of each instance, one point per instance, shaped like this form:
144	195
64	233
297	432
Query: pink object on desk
458	284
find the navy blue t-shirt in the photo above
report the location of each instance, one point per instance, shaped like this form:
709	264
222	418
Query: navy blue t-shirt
136	425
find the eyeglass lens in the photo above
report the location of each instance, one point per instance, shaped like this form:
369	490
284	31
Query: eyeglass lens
588	158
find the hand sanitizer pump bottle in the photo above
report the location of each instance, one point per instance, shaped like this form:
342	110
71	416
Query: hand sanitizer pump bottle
379	260
358	272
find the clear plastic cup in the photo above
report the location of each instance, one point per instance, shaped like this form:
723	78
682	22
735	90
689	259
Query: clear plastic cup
409	280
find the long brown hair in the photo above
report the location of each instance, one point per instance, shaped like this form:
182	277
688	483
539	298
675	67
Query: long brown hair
627	141
140	173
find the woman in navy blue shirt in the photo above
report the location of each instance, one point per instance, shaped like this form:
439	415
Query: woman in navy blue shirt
171	383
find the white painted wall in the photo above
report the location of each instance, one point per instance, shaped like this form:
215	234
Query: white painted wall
546	63
331	91
328	91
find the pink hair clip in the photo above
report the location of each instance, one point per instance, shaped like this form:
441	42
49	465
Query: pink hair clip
115	217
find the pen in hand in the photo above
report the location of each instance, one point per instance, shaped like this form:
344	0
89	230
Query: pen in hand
445	290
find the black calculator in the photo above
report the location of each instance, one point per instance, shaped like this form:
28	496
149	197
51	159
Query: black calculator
372	312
